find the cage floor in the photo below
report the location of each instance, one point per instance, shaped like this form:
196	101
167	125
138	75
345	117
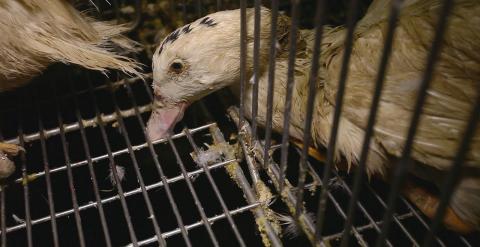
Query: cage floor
89	178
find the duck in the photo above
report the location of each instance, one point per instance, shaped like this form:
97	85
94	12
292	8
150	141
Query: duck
38	33
203	56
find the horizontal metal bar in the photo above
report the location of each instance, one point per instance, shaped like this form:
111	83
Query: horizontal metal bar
199	223
262	220
115	84
126	194
114	154
92	122
368	226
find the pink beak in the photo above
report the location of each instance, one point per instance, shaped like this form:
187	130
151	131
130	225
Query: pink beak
163	119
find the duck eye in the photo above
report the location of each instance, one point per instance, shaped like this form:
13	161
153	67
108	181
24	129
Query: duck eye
176	67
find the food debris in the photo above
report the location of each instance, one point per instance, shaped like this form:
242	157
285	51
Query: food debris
207	157
120	174
17	219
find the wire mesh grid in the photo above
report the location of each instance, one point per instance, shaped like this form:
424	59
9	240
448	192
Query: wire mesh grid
90	177
96	180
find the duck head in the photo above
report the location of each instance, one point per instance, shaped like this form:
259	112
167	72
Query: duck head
195	60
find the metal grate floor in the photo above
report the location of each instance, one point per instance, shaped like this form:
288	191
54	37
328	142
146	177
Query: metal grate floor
89	178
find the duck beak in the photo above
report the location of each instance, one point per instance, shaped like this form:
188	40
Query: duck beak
164	117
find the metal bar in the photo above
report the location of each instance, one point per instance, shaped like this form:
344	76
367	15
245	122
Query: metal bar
217	193
312	92
337	205
256	61
148	203
114	154
23	160
184	172
71	185
351	17
243	56
75	126
116	84
379	82
199	8
261	217
138	16
48	180
115	198
184	11
219	5
289	91
3	224
316	177
397	221
93	177
199	223
360	229
2	216
118	185
272	169
404	164
160	170
271	81
455	172
194	194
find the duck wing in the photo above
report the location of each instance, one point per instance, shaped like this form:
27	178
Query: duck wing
452	90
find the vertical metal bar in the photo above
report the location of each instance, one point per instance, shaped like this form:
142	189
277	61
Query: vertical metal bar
138	16
93	177
312	92
179	161
2	210
261	217
199	8
116	8
404	163
271	81
194	194
395	218
219	5
256	61
351	18
217	192
71	185
23	160
454	174
288	195
148	203
184	11
190	185
243	56
118	185
379	82
289	90
2	216
48	180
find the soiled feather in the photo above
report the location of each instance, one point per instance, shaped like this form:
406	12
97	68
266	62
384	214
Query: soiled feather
212	63
43	32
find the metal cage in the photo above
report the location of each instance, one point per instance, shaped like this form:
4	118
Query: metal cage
91	177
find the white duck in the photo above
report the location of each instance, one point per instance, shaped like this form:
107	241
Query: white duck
203	56
37	33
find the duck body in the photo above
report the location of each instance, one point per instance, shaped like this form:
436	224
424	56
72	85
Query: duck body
212	63
37	33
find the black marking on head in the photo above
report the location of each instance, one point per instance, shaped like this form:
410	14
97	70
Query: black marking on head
173	36
186	29
208	22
